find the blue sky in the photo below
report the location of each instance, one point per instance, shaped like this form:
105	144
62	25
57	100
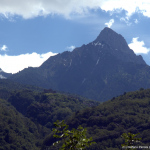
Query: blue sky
32	31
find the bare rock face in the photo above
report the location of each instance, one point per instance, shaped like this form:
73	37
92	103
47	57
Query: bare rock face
118	46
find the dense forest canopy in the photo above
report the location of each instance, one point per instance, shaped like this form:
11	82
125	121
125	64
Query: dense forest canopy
27	118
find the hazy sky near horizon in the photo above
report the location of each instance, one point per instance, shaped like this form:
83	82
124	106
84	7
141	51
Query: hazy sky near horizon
33	30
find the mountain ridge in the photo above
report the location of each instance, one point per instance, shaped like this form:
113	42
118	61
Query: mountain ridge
4	75
96	70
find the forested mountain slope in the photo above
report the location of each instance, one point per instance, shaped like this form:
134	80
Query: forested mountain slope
27	116
46	108
18	132
108	121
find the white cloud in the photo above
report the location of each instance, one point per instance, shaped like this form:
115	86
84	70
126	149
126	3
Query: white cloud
138	46
70	48
3	48
126	20
13	64
33	8
110	23
131	6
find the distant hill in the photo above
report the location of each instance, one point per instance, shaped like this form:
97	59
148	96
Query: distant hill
47	107
8	86
100	70
108	121
11	85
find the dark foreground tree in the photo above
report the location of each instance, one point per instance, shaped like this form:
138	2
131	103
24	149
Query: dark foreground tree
74	139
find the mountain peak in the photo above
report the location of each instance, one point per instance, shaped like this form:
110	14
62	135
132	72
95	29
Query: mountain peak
113	39
118	46
106	29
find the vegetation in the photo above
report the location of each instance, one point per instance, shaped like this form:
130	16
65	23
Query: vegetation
71	140
11	86
108	121
31	121
18	132
45	108
130	141
8	86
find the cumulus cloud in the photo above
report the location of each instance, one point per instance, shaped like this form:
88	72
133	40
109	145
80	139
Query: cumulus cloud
33	8
13	64
130	6
70	48
138	46
126	20
3	48
110	23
